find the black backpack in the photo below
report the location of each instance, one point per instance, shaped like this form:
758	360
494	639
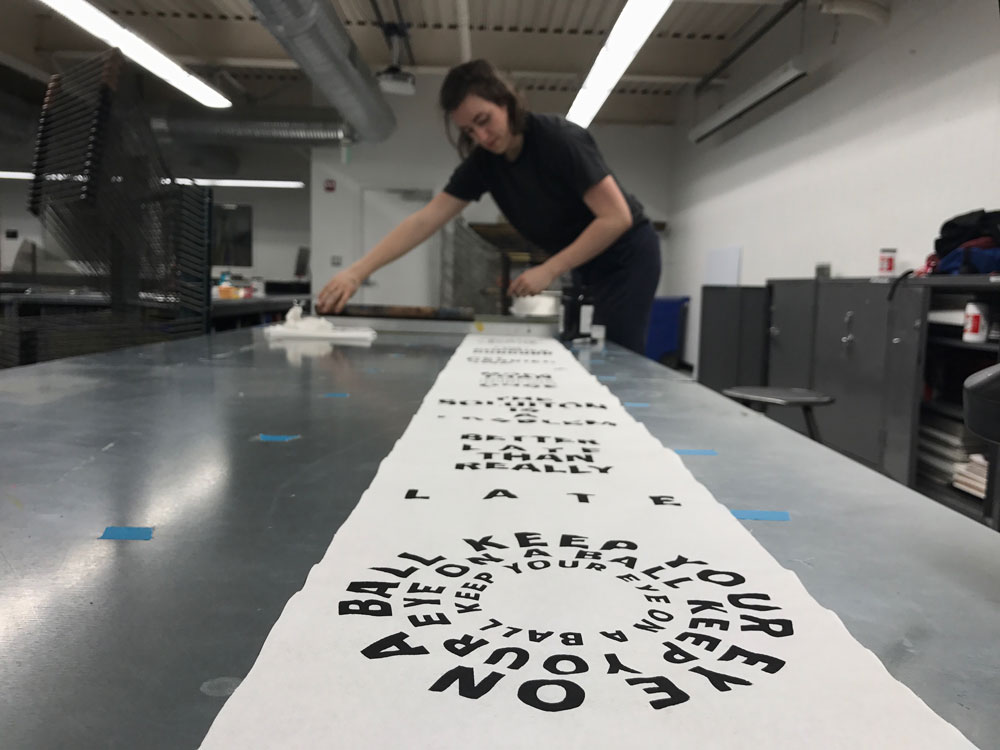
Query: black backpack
970	226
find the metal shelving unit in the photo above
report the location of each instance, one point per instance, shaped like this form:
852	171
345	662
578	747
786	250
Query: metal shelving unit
959	344
948	360
890	362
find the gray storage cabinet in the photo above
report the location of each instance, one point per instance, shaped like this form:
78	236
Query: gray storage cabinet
867	355
732	349
790	343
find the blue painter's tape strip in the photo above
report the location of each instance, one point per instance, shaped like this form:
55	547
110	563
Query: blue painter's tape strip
277	438
695	452
396	354
636	405
762	515
597	361
337	395
129	533
607	378
371	371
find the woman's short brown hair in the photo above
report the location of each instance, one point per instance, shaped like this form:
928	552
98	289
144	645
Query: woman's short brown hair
480	78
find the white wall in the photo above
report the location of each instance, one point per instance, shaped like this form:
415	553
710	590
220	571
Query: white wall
416	156
280	226
14	215
639	155
419	156
898	132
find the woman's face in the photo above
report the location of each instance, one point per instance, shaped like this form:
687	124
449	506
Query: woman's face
485	122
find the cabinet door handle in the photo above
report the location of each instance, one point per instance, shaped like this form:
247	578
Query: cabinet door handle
848	338
775	332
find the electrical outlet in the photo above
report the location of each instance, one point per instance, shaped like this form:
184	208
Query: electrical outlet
336	260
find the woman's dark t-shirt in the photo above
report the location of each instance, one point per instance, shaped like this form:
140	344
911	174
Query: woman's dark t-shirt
541	191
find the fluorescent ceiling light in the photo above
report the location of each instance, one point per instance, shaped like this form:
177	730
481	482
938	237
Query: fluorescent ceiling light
637	21
787	74
286	184
93	21
16	175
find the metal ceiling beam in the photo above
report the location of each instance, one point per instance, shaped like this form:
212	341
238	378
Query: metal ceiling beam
464	36
393	31
406	32
271	63
568	75
380	20
773	21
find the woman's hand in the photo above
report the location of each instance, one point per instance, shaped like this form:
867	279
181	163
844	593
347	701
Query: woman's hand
531	282
333	298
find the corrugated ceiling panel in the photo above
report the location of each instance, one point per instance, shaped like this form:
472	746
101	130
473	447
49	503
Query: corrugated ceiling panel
214	10
704	21
684	20
266	74
572	84
690	20
540	16
354	12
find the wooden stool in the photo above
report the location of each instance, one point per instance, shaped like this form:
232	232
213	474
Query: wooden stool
780	396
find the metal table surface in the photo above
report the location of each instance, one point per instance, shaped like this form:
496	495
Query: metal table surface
271	303
127	644
221	308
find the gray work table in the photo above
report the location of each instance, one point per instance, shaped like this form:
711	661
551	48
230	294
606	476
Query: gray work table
265	304
123	644
221	308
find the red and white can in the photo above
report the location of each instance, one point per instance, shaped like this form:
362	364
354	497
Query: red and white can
887	261
977	323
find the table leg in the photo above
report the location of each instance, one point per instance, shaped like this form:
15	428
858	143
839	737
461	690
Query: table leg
807	412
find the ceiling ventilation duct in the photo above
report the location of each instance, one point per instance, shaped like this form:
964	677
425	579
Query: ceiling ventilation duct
864	8
311	33
760	92
315	128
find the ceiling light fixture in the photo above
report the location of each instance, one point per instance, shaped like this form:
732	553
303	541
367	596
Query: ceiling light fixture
93	21
760	92
637	21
